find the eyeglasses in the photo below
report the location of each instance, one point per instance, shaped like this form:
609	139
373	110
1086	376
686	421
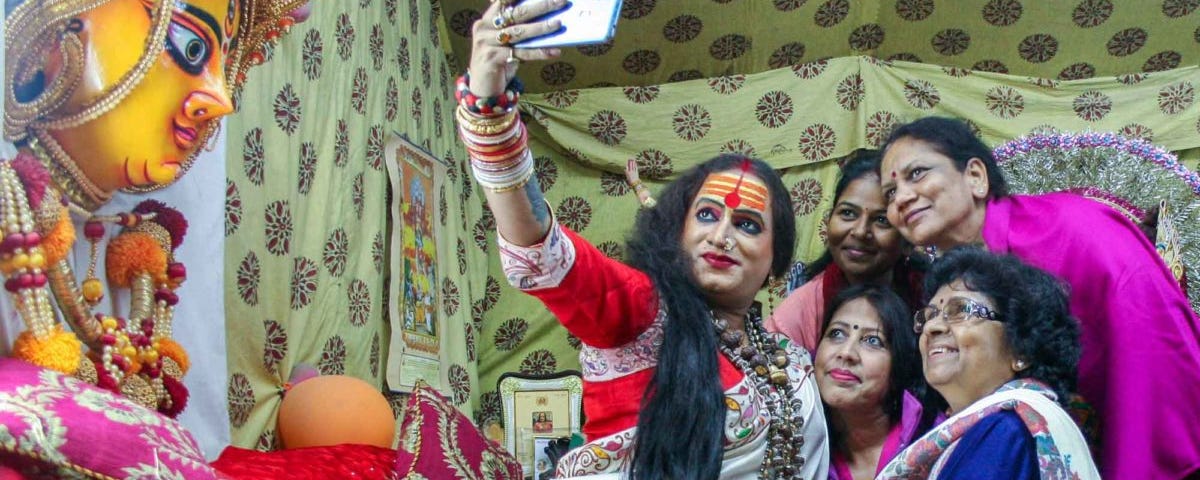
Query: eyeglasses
956	310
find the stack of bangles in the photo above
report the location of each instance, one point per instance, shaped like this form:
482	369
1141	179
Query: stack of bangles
495	137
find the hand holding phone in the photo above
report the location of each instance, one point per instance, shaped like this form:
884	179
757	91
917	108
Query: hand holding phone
584	22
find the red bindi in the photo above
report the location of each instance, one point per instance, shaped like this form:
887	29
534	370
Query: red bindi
734	198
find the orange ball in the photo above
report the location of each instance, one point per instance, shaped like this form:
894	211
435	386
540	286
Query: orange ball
335	409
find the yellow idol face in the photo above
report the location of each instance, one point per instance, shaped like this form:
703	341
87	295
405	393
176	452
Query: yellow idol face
147	137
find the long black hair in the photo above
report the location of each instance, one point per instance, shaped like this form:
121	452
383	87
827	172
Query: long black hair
954	139
1032	305
681	423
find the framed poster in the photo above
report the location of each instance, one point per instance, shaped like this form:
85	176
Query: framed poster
415	315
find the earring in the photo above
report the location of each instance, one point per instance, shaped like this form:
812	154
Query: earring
1019	365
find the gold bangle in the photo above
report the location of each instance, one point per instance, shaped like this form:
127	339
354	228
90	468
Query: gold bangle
476	119
485	125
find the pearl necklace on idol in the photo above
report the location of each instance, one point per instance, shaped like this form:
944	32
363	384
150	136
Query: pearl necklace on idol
136	356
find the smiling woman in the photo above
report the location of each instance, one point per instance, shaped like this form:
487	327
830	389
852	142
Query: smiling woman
862	247
868	372
998	343
943	189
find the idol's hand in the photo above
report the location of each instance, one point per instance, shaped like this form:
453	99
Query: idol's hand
493	60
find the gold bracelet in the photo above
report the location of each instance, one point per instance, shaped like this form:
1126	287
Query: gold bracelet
485	126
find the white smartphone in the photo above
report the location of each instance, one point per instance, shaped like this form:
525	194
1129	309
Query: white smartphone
584	22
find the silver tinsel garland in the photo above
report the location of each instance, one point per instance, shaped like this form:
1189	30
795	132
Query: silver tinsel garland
1131	171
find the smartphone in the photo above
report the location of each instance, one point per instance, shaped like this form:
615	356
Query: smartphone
584	22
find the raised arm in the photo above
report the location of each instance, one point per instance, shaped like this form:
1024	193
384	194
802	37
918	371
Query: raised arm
489	123
643	193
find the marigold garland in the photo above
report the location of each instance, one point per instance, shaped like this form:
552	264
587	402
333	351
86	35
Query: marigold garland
171	349
132	253
60	351
58	242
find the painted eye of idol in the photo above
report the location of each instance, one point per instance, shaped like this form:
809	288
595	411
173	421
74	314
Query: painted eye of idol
189	44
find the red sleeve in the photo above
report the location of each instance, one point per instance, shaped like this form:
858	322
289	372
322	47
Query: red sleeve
602	301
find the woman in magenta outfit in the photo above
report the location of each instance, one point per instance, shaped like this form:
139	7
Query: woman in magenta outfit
861	248
1140	364
867	369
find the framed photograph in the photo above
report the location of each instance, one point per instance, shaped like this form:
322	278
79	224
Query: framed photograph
536	407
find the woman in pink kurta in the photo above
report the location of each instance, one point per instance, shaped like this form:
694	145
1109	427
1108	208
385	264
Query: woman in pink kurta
1140	364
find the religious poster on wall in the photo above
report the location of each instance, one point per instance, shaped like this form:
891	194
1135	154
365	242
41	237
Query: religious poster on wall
415	315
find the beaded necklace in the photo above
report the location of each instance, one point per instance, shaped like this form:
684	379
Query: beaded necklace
136	358
765	363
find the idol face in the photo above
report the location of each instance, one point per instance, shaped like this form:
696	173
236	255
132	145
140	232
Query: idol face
146	138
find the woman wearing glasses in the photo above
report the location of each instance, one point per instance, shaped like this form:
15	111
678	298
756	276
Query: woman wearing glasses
943	189
999	345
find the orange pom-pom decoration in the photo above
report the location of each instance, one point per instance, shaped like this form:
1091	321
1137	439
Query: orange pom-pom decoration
173	350
60	351
57	242
334	409
130	254
93	291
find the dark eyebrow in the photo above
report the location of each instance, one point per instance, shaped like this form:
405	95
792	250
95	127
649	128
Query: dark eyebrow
206	18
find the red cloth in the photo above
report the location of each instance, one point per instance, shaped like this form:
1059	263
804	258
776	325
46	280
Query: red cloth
445	444
333	462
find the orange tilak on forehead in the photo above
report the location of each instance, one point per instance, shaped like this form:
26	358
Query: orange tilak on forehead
736	191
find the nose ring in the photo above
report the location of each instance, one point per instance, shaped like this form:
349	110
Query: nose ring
728	244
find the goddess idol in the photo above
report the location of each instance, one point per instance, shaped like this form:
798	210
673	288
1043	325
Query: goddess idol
104	96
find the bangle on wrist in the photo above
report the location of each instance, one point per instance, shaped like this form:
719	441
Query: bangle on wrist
501	104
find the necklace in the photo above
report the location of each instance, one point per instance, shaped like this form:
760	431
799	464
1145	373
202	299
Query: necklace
765	363
135	357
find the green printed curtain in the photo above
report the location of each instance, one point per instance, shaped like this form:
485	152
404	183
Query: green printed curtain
307	203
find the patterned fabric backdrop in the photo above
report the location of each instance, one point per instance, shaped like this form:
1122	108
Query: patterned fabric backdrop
306	195
661	41
306	202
